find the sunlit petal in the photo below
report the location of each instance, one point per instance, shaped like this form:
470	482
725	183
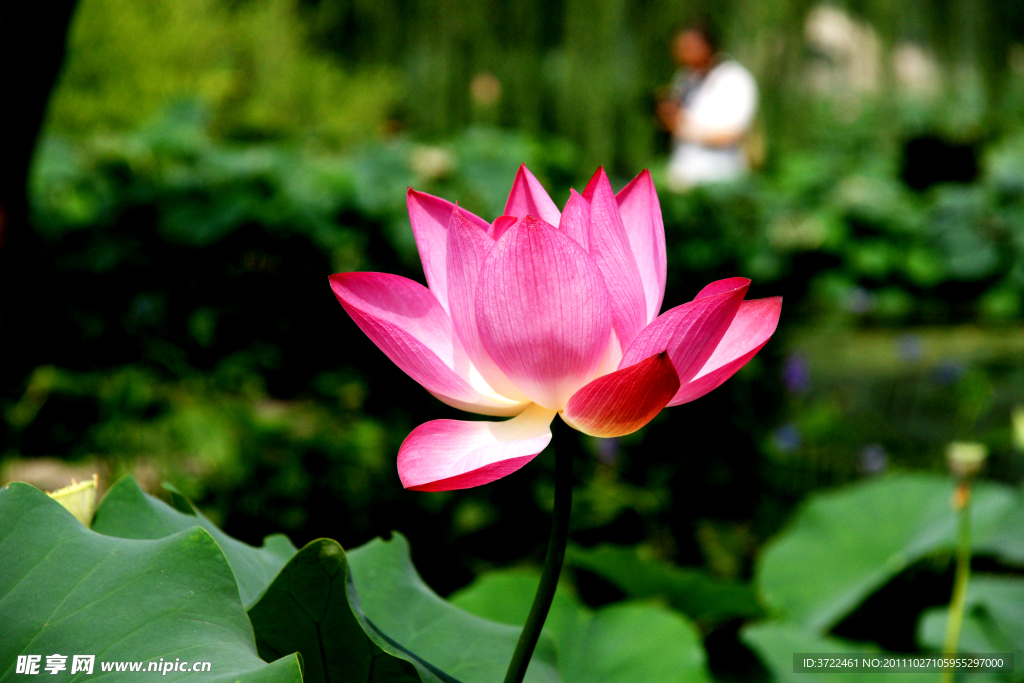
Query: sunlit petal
753	326
609	247
542	312
529	198
429	216
624	401
442	455
407	323
467	249
641	216
690	332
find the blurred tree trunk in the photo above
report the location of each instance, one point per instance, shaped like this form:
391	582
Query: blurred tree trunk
32	43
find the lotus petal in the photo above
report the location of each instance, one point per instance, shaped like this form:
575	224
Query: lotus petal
500	225
609	247
429	216
443	455
624	401
641	216
542	312
407	323
729	284
753	326
690	332
467	249
529	198
575	220
611	358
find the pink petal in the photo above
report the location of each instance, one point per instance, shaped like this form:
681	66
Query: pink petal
753	326
542	312
529	198
575	220
407	323
611	358
500	225
624	401
443	455
718	286
595	180
690	333
641	215
429	216
467	249
609	247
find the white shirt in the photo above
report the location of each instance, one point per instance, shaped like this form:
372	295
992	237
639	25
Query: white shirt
722	103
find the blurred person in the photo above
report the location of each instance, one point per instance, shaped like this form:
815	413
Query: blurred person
709	112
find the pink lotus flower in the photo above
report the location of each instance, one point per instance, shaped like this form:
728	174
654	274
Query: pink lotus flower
544	312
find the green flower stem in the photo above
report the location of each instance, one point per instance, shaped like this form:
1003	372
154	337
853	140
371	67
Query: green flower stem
963	574
563	443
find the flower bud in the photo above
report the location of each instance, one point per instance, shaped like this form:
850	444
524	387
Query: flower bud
78	498
966	458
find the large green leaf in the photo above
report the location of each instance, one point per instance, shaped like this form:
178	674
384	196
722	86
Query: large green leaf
775	644
621	643
1007	543
395	601
310	608
306	609
690	591
127	512
70	591
994	620
1002	599
506	597
977	633
844	545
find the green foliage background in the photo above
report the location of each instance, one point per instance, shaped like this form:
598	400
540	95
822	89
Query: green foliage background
207	164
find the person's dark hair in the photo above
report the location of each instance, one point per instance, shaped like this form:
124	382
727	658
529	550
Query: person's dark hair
707	30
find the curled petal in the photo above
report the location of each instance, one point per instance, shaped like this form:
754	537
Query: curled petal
407	323
729	284
624	401
575	220
467	249
753	326
542	312
429	216
690	332
443	455
500	225
610	248
641	215
529	198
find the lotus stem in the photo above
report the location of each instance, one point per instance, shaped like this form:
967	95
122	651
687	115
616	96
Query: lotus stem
563	443
955	619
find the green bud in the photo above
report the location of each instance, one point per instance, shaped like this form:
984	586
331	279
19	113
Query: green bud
79	498
966	458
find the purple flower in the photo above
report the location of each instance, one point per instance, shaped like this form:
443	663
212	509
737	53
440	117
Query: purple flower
796	374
